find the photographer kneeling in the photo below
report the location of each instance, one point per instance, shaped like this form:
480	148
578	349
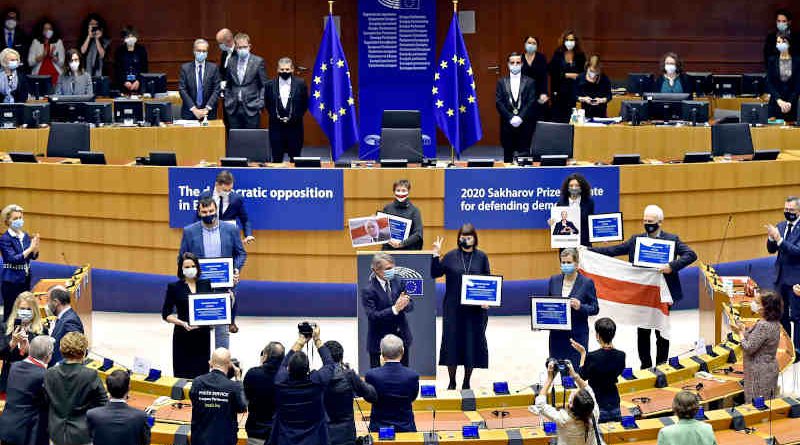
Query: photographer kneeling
577	425
299	406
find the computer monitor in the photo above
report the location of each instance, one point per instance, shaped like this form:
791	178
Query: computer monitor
128	111
702	83
40	86
627	159
401	119
23	157
394	163
480	163
156	113
754	113
671	97
634	111
153	83
554	160
92	157
99	113
696	112
727	85
67	111
233	162
163	158
11	115
36	115
664	110
307	161
753	84
766	155
639	83
101	85
71	98
696	157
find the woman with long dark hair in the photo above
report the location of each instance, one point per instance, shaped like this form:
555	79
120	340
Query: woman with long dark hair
577	192
577	424
464	327
46	55
567	63
95	43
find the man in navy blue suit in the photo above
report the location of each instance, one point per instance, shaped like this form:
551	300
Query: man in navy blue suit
209	238
67	320
784	239
230	205
684	256
24	420
397	388
386	304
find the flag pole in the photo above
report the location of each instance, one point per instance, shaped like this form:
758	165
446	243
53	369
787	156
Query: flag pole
452	148
330	7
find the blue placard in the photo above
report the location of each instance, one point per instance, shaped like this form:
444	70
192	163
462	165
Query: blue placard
427	391
386	433
551	314
500	387
470	432
398	228
629	422
209	309
519	198
219	271
605	227
396	44
550	428
153	375
481	290
653	252
275	199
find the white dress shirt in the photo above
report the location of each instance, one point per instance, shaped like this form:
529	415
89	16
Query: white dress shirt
284	89
515	81
225	200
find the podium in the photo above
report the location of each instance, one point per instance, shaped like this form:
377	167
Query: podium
410	265
79	286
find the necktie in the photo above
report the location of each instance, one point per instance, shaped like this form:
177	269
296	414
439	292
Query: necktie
219	208
388	289
199	100
242	66
788	230
9	39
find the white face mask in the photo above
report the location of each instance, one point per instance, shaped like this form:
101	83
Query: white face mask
48	34
670	68
782	46
130	40
515	69
592	75
74	65
754	306
13	64
569	45
190	272
25	315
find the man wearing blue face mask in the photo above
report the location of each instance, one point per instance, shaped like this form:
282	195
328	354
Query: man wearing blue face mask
783	26
783	238
386	304
245	82
199	85
515	99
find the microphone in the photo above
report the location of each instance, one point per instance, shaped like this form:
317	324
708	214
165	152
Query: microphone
365	440
694	117
433	421
301	69
754	116
635	118
724	238
36	118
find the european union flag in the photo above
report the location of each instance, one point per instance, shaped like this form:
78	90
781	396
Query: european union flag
454	93
332	103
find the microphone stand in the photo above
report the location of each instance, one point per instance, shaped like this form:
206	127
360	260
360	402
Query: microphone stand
724	238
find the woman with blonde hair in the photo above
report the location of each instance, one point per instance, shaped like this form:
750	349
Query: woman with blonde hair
18	249
23	325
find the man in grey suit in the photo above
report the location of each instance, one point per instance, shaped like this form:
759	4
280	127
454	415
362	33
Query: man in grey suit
199	85
117	423
245	82
24	420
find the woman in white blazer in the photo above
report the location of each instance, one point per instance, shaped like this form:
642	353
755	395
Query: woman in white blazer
46	56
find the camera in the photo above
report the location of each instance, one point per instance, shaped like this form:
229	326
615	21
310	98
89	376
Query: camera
94	29
560	365
306	329
232	370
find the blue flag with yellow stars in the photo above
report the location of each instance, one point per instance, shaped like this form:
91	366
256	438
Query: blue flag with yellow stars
455	101
332	103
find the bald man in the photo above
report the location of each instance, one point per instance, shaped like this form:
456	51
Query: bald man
226	46
216	400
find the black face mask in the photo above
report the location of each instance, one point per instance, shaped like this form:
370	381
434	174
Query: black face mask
791	217
462	243
285	76
651	228
209	219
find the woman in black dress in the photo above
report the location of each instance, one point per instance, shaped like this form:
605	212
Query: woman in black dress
566	65
464	327
576	192
15	341
191	345
534	65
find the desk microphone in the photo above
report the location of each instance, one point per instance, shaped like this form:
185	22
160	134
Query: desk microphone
433	421
367	439
724	238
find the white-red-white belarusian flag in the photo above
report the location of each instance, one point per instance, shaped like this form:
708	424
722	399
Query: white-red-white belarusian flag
631	295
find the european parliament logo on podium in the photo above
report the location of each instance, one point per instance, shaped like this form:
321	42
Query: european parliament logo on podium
400	4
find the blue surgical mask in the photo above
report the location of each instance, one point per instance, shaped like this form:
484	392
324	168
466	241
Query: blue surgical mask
782	47
243	52
515	69
388	274
17	224
13	64
782	26
200	56
530	48
567	268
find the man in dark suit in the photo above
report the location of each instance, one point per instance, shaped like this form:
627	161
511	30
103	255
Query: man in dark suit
24	418
209	238
245	82
784	239
300	417
565	226
684	256
345	386
397	388
386	304
117	423
226	47
230	204
515	99
259	390
14	37
68	321
199	85
216	402
783	26
286	100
